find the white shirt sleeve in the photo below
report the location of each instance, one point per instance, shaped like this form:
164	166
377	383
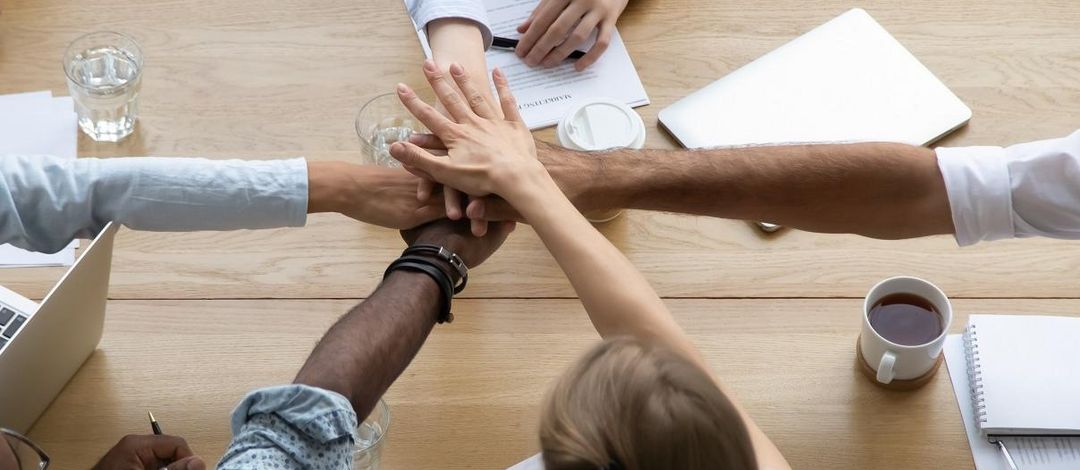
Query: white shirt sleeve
423	12
1025	190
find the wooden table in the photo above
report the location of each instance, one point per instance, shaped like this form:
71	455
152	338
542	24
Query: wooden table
198	319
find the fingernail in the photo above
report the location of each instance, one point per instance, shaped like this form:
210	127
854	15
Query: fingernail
498	73
401	88
457	69
429	65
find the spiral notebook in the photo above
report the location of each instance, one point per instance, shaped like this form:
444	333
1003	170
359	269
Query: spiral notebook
1016	377
1023	373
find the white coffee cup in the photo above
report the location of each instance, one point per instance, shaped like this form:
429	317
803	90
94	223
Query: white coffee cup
601	124
891	362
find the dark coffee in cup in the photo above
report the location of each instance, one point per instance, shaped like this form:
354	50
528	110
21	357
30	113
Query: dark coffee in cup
905	319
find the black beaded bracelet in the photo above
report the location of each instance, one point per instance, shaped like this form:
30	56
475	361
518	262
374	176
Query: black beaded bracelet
441	278
442	253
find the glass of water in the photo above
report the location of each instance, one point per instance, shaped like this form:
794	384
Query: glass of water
371	437
104	72
382	121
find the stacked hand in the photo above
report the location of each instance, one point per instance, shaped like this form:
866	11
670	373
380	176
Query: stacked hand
455	236
558	27
484	154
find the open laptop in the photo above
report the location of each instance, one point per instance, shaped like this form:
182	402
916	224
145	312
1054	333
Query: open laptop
42	346
847	80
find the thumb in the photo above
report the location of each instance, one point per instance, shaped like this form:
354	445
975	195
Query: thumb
417	158
188	463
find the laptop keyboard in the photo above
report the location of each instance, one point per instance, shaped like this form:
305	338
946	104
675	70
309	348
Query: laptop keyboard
10	322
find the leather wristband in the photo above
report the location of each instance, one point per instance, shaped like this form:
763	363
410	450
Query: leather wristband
448	256
431	268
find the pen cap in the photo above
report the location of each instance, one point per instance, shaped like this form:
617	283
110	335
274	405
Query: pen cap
601	124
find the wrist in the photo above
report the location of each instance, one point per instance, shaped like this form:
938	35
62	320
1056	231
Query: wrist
327	186
591	180
523	187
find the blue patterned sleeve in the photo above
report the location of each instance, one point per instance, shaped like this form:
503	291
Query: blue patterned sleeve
291	426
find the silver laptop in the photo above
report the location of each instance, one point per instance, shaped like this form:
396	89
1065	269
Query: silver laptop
42	346
846	80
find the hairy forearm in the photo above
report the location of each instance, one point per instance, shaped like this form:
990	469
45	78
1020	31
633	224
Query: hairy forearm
879	190
369	347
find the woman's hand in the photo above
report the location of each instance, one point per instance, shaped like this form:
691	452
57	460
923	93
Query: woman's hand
558	27
485	154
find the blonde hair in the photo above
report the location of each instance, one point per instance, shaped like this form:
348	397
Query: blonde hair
635	406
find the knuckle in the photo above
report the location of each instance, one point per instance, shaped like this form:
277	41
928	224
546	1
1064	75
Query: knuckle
476	100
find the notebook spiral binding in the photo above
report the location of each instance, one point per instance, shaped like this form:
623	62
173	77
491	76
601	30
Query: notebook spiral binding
974	372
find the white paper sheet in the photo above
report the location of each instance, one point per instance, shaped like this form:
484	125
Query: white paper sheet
535	462
1030	453
37	124
544	96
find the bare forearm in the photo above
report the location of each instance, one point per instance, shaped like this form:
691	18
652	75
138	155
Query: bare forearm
459	41
366	350
875	189
618	299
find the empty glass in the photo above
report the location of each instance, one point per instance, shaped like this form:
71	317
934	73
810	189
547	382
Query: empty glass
104	72
382	121
371	437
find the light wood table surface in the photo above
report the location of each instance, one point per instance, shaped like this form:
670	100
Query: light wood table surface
197	319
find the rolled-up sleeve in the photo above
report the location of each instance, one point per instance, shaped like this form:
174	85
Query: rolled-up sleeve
291	426
1024	190
47	201
426	11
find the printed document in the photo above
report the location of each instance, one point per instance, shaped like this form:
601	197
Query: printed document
545	95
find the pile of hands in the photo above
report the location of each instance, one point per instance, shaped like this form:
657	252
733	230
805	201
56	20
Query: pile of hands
478	151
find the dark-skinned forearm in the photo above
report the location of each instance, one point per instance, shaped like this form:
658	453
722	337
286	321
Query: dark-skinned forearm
369	347
880	190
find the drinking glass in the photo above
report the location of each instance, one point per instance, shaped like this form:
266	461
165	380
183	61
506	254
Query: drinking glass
371	437
382	121
104	74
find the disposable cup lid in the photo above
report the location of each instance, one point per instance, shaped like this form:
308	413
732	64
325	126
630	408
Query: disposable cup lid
601	124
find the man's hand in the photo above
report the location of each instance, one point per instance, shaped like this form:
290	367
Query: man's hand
455	236
558	27
485	154
372	194
150	452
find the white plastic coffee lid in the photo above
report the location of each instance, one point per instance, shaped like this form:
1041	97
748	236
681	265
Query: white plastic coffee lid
601	124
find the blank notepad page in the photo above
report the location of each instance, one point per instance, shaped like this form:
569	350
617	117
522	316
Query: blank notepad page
1029	370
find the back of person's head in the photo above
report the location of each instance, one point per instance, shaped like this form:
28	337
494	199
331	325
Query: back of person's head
635	406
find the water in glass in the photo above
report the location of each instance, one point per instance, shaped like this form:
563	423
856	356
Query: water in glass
104	82
368	453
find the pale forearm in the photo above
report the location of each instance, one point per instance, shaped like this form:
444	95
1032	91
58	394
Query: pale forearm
455	40
618	299
875	189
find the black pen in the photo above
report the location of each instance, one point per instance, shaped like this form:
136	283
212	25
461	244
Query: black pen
507	43
153	424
